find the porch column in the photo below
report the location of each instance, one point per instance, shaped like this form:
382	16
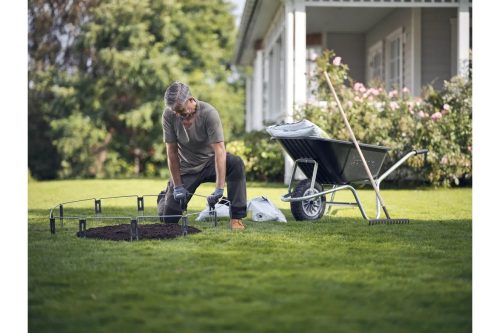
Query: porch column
289	73
295	64
463	37
300	94
257	91
289	78
416	51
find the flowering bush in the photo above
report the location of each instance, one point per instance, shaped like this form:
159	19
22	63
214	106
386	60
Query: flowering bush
440	122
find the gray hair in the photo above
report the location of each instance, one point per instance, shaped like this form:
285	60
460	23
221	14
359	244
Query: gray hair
176	95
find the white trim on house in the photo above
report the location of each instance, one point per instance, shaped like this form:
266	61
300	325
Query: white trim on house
374	66
382	3
274	68
394	60
300	55
416	51
257	91
274	82
463	38
248	103
289	76
275	30
289	73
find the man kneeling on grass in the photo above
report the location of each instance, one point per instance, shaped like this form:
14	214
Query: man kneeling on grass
192	132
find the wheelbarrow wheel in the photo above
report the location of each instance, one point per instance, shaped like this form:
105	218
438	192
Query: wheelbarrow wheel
311	209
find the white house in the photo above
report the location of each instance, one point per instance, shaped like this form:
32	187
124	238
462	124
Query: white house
403	43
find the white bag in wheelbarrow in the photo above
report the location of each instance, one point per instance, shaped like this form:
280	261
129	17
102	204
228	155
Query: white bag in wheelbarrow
221	209
298	129
262	209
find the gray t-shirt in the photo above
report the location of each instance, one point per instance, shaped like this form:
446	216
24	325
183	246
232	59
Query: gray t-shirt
194	143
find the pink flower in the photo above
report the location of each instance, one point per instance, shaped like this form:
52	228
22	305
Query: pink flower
436	116
445	109
349	104
358	86
406	90
394	106
422	114
336	61
357	99
393	93
374	91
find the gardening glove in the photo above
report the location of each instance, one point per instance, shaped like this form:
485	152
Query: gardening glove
180	193
213	198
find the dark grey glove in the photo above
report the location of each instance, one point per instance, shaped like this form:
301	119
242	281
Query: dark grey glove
180	193
213	198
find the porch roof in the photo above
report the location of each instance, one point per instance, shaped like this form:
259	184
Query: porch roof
258	16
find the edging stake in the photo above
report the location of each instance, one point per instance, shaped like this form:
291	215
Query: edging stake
52	225
83	228
134	230
140	205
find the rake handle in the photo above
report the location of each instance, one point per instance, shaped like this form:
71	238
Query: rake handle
353	138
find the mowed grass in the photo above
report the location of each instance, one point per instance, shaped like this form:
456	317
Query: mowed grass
333	275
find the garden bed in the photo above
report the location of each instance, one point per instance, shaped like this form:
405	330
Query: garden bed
146	231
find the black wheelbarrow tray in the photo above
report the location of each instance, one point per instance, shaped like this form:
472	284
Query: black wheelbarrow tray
335	163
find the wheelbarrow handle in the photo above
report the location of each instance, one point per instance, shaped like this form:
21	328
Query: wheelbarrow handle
421	151
401	161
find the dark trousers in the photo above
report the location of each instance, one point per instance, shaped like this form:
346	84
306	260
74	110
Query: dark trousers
236	189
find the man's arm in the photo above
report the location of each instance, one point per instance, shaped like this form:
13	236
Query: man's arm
174	164
220	163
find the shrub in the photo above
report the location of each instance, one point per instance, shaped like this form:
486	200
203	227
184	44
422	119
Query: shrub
263	157
440	122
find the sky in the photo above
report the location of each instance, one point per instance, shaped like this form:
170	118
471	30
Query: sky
240	5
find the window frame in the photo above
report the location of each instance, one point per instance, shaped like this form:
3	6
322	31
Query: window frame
389	39
373	51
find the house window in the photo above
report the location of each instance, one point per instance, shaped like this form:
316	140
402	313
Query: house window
394	60
375	63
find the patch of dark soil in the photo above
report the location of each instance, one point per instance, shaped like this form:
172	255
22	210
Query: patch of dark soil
146	231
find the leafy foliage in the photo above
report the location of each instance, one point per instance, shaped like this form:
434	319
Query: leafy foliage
262	157
440	122
98	71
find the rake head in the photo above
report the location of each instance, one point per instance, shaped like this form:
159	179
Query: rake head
388	221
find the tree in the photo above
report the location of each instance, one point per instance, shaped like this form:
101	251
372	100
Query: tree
106	101
53	27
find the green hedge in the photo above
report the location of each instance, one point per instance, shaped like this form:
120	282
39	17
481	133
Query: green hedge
262	156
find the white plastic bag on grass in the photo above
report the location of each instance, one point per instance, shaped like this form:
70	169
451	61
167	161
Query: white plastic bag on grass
221	209
262	209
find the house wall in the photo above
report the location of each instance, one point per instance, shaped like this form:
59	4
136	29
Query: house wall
351	47
436	45
398	18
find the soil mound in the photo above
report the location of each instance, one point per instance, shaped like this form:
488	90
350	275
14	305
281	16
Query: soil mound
146	231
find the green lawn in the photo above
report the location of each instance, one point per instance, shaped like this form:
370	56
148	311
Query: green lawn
333	275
